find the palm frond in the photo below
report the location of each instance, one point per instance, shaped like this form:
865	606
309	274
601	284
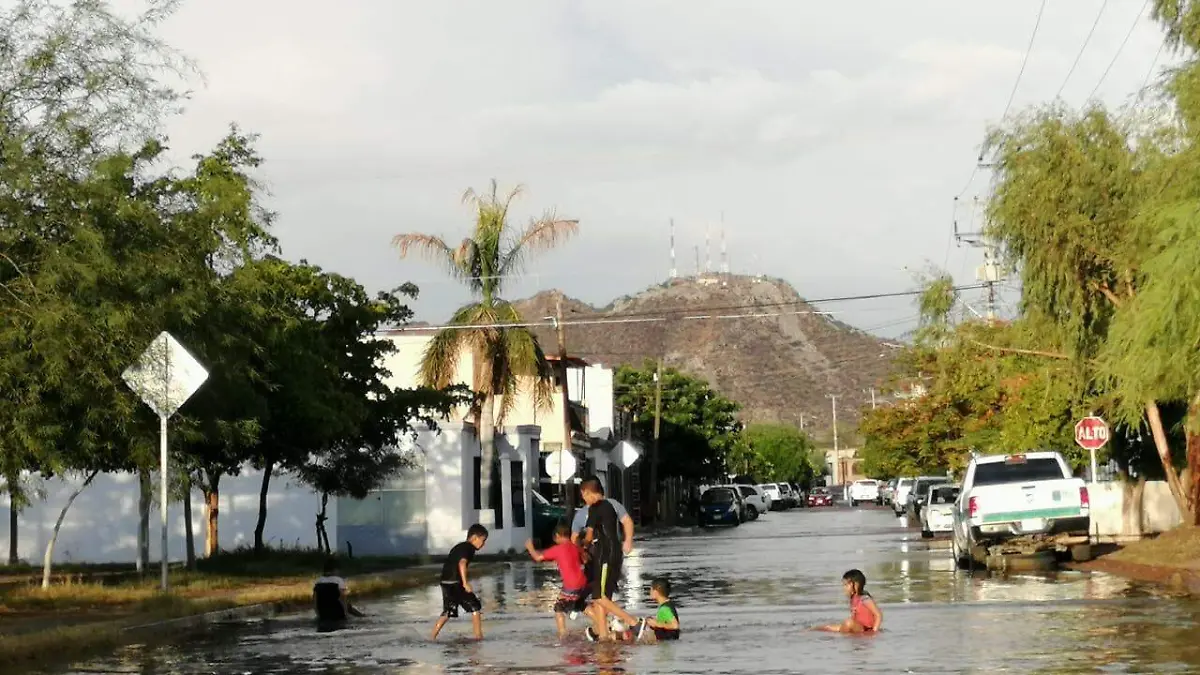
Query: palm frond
439	363
541	234
431	248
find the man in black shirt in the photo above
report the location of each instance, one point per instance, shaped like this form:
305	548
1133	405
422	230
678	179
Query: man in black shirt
603	533
456	587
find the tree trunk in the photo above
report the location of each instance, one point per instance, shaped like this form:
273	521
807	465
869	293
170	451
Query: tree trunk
145	492
13	557
189	533
1192	485
14	510
46	561
212	502
262	508
1164	455
322	535
487	451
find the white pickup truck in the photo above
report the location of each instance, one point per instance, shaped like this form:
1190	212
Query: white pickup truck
864	491
1019	504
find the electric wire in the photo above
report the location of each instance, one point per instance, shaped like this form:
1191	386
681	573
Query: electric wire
1082	49
1120	49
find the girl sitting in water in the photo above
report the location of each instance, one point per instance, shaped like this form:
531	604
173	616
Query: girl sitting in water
865	615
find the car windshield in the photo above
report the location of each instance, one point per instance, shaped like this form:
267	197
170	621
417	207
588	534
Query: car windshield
1018	471
769	486
820	491
717	496
869	483
943	494
537	497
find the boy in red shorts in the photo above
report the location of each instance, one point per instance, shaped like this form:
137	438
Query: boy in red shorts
569	558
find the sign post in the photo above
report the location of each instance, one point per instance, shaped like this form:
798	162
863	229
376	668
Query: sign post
1091	434
165	377
560	466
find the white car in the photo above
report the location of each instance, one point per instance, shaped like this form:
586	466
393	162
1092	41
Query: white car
1006	497
937	509
757	501
774	495
866	490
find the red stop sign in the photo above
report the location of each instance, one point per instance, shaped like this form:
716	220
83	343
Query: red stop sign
1091	433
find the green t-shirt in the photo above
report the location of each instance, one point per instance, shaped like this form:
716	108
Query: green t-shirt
666	613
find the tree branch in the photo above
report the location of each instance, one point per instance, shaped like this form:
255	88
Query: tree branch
1108	293
1018	350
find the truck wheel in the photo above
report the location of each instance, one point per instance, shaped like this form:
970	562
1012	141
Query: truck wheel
752	511
979	555
926	534
1081	553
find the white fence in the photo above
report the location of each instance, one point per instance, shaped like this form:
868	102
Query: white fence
1115	512
101	526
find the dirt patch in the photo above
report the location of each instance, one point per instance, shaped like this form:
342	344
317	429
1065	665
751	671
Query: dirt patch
1177	548
1171	559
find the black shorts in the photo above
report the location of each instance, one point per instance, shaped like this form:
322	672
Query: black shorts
607	574
570	600
455	596
662	634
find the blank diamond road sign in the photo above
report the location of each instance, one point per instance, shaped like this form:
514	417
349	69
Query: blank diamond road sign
166	375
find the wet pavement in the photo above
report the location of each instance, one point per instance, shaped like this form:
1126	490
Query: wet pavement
746	598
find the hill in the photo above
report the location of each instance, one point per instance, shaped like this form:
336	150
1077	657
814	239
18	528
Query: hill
780	364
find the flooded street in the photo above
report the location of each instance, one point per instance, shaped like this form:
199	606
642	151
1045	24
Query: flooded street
746	597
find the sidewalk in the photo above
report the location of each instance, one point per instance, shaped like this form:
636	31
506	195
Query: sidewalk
1172	559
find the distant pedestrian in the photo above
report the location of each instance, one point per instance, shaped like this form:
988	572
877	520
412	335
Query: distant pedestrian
456	586
330	601
865	615
569	558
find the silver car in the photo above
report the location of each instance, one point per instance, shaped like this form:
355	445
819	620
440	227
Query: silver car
937	509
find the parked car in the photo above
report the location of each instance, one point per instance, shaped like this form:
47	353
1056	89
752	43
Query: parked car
865	490
545	517
756	502
887	491
773	495
1009	496
916	494
937	512
820	497
916	497
789	495
900	496
721	506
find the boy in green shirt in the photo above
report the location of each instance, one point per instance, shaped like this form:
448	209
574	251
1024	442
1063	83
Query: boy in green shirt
665	623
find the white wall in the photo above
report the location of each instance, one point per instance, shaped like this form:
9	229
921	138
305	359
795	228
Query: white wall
1111	516
101	526
599	400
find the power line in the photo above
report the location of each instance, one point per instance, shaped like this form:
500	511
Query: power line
1083	48
662	316
1120	49
1150	73
1024	61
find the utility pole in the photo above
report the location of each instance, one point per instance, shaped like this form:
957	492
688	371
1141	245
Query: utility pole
567	446
837	455
654	446
674	271
872	398
801	421
989	272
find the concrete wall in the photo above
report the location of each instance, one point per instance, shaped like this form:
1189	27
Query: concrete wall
101	526
1116	514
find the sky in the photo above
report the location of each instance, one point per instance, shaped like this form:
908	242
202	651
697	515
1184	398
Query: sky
830	138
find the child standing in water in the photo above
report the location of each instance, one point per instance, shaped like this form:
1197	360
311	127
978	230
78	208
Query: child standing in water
456	586
865	615
569	558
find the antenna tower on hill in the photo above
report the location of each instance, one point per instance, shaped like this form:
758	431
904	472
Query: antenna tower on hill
674	270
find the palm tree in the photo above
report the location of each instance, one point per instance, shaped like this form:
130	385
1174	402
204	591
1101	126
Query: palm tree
506	358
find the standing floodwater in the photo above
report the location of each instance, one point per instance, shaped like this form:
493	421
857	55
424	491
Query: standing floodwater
746	597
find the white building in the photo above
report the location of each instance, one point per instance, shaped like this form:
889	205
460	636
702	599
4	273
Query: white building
429	509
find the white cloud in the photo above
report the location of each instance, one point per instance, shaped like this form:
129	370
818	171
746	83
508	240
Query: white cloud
833	135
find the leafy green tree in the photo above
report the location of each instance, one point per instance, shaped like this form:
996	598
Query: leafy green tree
507	359
784	453
699	427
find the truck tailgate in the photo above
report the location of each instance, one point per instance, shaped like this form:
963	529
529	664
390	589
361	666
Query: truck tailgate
1029	504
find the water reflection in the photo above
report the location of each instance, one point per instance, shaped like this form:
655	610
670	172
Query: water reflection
746	597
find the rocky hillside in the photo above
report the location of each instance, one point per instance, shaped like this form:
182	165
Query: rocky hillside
780	368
